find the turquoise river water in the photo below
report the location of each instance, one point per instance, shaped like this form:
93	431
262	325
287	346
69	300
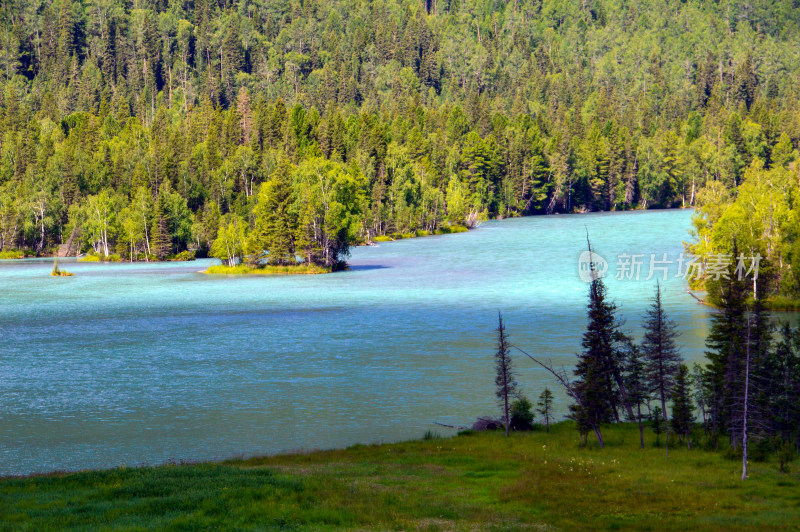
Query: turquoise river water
126	364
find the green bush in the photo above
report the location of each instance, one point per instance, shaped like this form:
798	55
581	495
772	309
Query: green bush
448	229
731	453
382	238
12	254
785	455
782	303
431	435
185	255
521	414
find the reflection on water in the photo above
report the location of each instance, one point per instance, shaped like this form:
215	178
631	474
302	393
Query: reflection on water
141	363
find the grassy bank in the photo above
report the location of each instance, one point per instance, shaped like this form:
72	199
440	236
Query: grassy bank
12	254
479	481
776	303
303	269
446	230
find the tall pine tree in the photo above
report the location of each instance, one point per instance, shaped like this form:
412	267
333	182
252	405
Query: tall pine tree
663	358
682	407
597	369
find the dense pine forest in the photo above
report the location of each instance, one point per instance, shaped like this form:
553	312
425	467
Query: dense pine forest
275	129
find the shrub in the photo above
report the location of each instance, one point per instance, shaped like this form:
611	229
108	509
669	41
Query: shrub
785	455
521	414
185	255
778	302
731	453
90	258
447	229
382	238
431	435
12	254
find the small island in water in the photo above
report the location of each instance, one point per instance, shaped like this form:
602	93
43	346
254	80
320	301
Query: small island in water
243	269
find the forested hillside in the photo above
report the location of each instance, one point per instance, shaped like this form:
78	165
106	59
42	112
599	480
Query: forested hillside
297	127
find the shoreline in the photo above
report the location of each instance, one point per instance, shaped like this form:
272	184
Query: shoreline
444	230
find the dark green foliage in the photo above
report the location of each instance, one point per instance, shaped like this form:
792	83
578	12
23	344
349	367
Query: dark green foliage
636	384
598	370
661	355
431	435
682	407
726	343
545	405
657	422
521	414
442	112
786	455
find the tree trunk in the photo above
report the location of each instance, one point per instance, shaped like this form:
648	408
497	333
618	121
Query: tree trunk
641	427
599	436
746	391
505	404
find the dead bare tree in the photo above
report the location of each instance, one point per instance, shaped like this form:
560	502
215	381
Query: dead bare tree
746	393
563	379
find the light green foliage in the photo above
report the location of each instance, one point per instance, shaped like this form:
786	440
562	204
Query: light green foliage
230	241
761	219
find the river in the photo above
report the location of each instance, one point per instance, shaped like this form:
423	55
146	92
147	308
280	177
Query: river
130	364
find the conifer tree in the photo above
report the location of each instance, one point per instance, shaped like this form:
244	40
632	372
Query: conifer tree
682	407
636	384
663	358
545	405
657	422
597	364
160	241
275	224
726	353
505	380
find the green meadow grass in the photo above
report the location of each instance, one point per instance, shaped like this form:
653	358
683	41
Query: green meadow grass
530	481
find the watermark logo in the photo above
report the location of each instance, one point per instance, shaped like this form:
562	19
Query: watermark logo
637	267
591	266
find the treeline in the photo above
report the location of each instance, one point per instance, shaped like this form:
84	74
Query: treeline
747	393
760	218
440	112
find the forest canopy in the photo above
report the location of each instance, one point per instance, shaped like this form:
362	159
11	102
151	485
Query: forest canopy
270	130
